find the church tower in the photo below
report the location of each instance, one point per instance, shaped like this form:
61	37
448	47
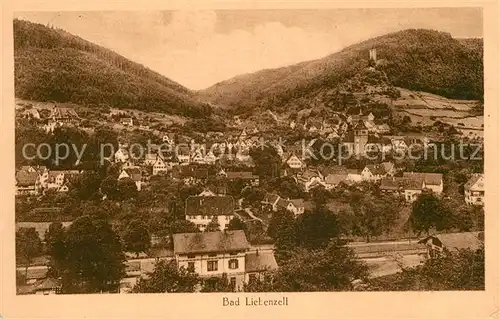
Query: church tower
360	138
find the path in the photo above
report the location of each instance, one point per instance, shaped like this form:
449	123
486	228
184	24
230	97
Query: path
249	212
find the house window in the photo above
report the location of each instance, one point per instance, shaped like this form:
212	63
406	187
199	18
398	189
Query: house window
233	253
191	256
233	263
228	217
233	282
212	255
212	265
191	266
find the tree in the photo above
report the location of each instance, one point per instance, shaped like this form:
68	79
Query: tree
213	225
252	195
183	226
109	187
28	246
284	235
166	277
236	224
454	270
267	162
263	284
428	212
373	216
217	284
54	239
329	269
320	196
87	185
137	238
127	188
92	260
315	229
288	188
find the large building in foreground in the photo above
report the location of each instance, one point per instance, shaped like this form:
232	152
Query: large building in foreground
212	254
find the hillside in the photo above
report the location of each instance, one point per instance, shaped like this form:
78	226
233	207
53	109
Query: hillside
54	65
420	60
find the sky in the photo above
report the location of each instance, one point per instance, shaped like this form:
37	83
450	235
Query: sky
200	48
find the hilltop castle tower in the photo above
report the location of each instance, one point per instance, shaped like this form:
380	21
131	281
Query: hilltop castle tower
373	55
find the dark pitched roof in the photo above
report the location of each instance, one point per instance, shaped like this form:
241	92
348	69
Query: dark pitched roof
473	180
260	261
188	243
360	125
209	205
333	170
428	178
413	184
48	284
335	179
391	183
396	183
36	273
464	240
134	173
242	175
25	178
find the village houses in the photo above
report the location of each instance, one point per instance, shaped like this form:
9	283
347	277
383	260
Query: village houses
134	173
296	206
474	190
122	155
201	210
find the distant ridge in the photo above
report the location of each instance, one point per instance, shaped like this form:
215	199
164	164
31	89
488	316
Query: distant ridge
420	60
54	65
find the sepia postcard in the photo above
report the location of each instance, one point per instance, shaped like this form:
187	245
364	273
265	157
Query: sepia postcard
248	158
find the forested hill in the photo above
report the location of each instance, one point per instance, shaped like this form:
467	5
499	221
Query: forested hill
54	65
420	60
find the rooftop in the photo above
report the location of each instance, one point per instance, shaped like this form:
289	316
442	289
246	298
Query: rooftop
260	261
210	205
206	242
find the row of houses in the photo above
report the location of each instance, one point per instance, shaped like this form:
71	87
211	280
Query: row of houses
213	254
33	180
297	206
411	184
208	254
330	177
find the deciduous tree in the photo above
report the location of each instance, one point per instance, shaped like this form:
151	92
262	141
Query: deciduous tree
92	260
166	277
137	238
28	246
